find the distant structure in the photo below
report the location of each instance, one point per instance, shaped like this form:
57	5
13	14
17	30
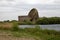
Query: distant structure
32	16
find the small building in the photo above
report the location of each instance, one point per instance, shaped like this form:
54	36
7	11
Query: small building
23	18
32	16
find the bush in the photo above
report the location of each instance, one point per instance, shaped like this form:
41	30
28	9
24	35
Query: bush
50	20
15	26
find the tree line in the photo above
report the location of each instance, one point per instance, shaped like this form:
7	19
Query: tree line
48	20
41	20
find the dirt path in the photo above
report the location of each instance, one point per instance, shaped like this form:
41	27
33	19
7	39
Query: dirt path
7	36
14	38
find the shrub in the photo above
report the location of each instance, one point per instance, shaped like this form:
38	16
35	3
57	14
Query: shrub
15	26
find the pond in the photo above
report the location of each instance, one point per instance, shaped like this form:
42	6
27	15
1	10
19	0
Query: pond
50	27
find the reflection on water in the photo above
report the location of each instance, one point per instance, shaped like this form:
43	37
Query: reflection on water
50	27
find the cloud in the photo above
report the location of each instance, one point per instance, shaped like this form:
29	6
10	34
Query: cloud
38	1
49	13
26	1
57	1
11	9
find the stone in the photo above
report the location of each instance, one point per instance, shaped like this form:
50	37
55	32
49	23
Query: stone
32	16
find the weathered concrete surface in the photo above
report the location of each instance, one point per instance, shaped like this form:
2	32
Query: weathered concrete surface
33	14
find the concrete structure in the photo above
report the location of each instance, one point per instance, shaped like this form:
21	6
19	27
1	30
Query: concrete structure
32	16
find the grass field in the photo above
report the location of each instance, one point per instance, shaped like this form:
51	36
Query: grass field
15	33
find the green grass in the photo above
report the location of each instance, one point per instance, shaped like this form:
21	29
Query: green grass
36	33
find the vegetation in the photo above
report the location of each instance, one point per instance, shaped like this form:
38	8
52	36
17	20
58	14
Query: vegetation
42	20
36	32
51	20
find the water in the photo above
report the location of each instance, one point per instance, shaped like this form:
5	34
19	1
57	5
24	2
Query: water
50	27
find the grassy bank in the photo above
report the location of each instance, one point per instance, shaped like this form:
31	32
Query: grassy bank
41	34
36	32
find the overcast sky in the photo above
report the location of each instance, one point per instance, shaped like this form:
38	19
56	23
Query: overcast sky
11	9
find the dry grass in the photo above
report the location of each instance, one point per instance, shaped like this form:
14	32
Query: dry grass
14	38
8	36
6	25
